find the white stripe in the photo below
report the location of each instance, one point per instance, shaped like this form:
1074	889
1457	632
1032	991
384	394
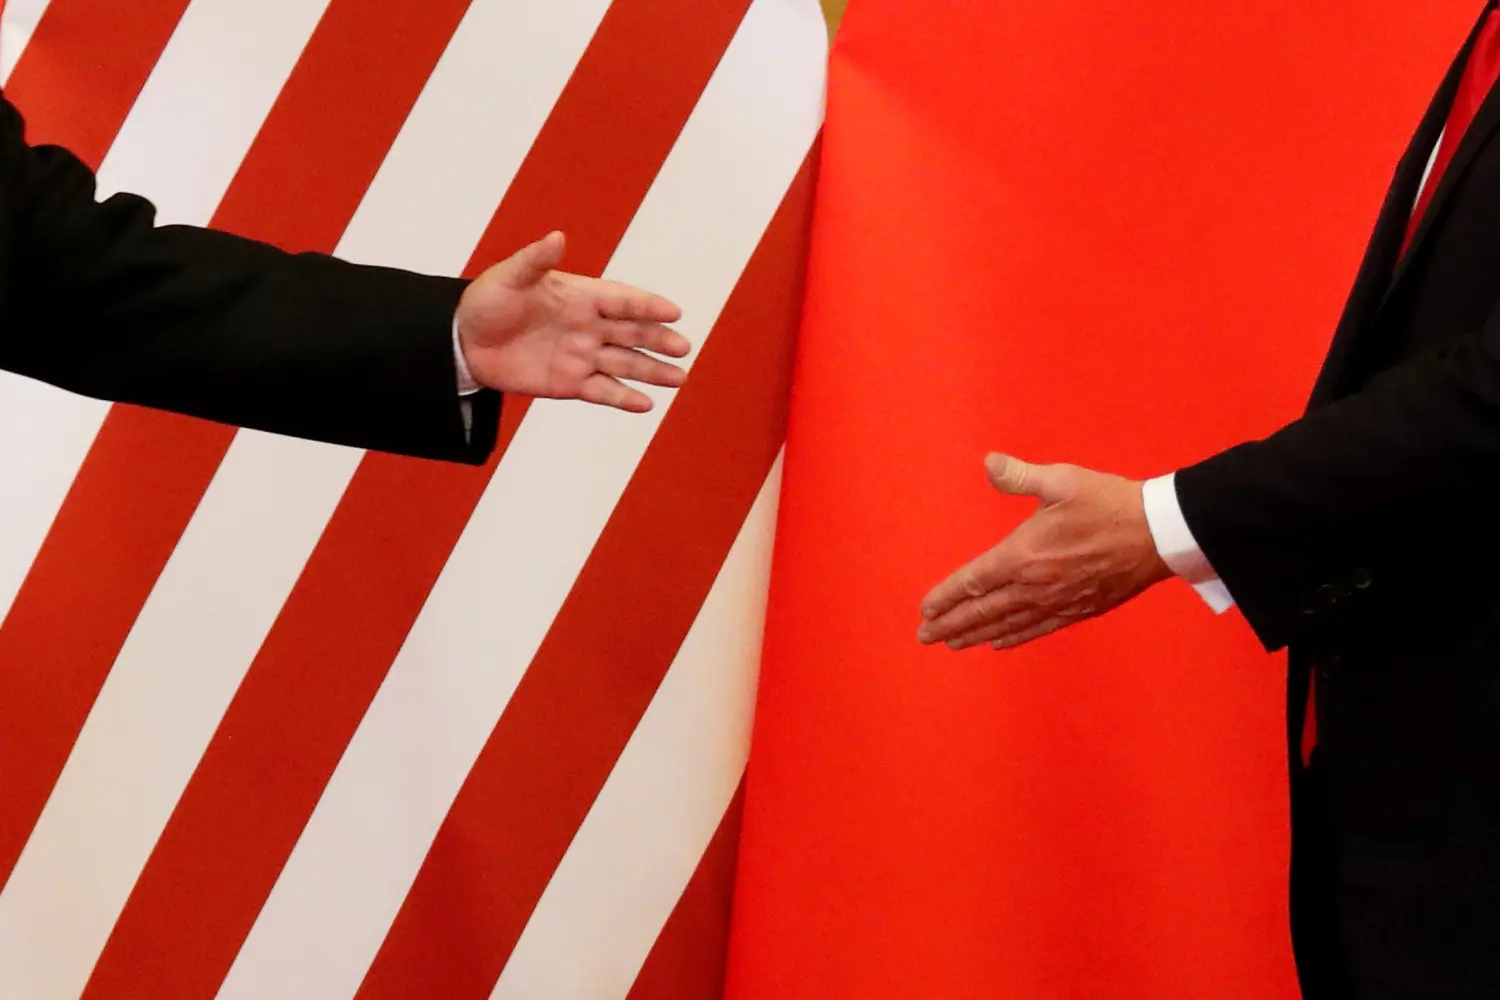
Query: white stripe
533	530
44	435
238	56
468	134
641	843
17	25
180	145
158	710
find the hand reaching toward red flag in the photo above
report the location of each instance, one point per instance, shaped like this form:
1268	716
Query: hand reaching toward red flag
1087	550
527	328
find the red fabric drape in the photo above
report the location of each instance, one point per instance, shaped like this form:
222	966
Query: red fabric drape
1112	233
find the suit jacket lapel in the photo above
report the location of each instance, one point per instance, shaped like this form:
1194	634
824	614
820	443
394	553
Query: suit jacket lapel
1473	141
1382	266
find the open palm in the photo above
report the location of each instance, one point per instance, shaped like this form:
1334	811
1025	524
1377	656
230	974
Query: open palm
529	329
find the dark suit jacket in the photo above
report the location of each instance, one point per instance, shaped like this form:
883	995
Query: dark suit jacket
1366	537
96	299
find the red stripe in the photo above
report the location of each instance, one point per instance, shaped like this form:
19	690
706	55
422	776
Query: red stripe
49	672
610	646
688	960
393	531
85	66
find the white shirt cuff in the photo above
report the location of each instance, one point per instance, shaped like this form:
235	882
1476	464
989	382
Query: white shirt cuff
466	384
1177	546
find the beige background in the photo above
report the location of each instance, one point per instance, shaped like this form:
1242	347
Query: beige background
835	10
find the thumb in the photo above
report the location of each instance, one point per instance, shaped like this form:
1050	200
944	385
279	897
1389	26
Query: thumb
531	264
1022	479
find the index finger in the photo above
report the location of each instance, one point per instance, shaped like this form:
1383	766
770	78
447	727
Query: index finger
975	579
653	337
620	301
638	306
617	300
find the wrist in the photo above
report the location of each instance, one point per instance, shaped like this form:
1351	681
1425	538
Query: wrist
1153	569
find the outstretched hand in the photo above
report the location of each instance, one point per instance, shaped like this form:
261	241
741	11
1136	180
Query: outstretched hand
1086	550
529	329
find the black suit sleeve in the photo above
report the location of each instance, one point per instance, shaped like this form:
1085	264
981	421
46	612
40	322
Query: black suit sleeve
99	300
1363	507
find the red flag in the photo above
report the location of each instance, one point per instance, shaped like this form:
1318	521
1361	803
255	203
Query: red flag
1114	234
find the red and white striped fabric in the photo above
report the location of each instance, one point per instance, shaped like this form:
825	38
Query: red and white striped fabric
284	721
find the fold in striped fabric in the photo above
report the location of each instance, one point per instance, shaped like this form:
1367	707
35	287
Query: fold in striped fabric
280	719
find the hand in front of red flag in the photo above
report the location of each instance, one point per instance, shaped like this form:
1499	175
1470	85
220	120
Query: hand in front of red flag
529	329
1086	550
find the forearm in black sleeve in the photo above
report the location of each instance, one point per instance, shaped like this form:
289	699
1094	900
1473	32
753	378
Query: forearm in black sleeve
103	302
1305	527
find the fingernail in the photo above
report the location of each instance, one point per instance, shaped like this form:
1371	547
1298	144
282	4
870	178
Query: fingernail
957	645
924	635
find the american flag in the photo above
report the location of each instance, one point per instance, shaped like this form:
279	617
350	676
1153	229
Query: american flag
286	721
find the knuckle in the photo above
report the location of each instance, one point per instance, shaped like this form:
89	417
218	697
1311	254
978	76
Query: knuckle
1062	596
1035	572
973	583
992	604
